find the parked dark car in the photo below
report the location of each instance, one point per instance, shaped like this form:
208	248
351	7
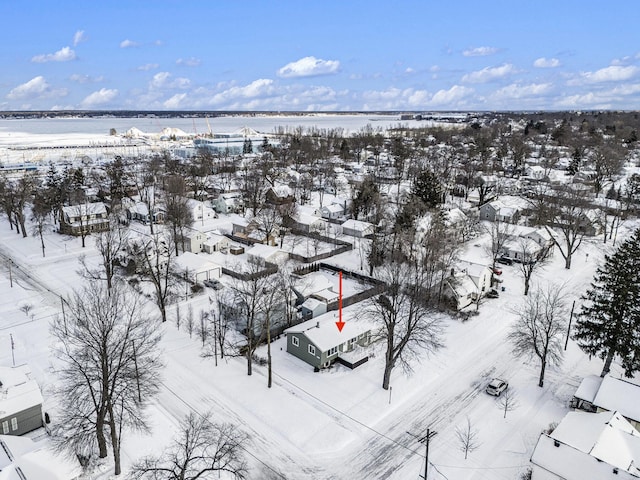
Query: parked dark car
215	284
505	260
492	293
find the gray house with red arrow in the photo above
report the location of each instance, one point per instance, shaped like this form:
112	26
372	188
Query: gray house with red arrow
320	342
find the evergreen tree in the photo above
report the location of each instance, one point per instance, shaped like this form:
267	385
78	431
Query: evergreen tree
609	322
428	189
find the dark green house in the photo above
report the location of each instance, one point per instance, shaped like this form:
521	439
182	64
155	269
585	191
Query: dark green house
320	343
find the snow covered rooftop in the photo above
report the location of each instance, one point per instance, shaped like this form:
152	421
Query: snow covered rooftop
588	388
194	263
23	459
620	395
17	391
323	332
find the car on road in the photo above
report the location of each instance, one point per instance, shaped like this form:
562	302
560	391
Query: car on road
215	284
496	387
505	260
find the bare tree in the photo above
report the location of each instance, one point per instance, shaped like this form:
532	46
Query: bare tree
203	327
467	438
154	258
109	244
190	321
567	209
179	215
110	369
41	216
499	234
202	449
508	401
540	327
408	325
244	303
533	258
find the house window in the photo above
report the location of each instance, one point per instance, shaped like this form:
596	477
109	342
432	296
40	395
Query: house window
295	341
14	424
5	427
312	350
333	351
352	342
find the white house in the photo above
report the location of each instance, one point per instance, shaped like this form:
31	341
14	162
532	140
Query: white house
310	223
228	203
332	212
86	217
601	446
193	241
200	211
215	243
197	268
471	282
497	211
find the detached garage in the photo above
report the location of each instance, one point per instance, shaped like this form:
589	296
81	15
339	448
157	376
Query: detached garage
197	268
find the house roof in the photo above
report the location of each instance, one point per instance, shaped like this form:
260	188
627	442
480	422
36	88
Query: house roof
18	391
620	395
585	440
588	388
21	458
333	208
195	263
462	284
357	225
323	332
85	209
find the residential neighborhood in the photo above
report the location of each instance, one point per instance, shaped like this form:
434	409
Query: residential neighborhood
349	294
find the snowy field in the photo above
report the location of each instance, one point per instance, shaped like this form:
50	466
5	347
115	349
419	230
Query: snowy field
338	424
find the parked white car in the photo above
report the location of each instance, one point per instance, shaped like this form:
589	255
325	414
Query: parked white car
496	387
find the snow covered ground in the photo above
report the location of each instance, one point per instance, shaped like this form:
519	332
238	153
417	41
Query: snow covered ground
337	424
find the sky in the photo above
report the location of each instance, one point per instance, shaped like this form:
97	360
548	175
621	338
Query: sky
331	55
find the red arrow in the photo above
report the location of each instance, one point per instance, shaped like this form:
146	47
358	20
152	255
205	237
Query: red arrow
340	323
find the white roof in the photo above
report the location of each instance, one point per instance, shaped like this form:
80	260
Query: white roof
620	395
18	392
195	263
591	438
334	207
588	388
265	251
323	332
85	209
357	225
36	460
308	219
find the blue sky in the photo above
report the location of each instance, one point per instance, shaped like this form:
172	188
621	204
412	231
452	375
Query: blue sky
320	55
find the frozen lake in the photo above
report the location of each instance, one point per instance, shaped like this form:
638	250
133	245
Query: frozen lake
228	124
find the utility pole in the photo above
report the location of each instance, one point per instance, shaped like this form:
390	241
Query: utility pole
566	342
425	440
13	356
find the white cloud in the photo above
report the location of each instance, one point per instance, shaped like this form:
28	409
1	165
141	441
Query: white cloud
98	98
188	62
65	54
164	80
76	77
257	88
128	44
148	66
176	102
489	74
451	97
309	67
79	37
518	91
409	70
614	73
543	62
37	87
479	51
